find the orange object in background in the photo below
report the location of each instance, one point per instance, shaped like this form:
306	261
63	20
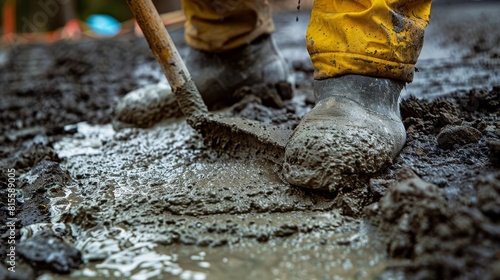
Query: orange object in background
9	21
70	27
71	30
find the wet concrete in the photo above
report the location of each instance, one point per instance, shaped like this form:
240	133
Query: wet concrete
156	203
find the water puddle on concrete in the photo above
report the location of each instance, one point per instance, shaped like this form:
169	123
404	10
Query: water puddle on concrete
350	255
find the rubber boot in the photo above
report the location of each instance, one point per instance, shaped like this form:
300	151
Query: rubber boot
216	75
354	131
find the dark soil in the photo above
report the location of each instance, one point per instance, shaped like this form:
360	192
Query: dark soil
445	226
49	86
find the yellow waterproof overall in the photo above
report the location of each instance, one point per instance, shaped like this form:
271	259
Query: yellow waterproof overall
381	38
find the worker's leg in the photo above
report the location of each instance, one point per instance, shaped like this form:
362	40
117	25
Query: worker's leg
231	47
380	38
222	25
363	51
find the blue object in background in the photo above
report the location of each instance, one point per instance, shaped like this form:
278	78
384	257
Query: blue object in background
104	25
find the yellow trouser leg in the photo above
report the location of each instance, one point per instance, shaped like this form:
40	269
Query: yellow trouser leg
381	38
222	25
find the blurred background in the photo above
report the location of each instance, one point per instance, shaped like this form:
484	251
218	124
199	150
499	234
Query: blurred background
50	20
25	21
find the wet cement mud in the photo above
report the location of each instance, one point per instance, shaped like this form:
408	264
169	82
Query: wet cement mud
445	226
156	203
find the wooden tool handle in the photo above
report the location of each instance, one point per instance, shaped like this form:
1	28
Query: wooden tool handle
166	54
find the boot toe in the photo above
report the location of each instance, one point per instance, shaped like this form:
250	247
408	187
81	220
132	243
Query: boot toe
331	152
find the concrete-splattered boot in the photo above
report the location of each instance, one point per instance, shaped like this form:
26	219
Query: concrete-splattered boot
216	75
354	131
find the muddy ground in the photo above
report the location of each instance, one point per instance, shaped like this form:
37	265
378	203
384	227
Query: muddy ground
155	203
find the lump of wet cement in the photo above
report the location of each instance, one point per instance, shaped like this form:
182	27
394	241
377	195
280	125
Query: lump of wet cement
46	250
428	117
452	135
443	240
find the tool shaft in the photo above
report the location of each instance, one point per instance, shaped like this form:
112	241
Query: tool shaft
168	57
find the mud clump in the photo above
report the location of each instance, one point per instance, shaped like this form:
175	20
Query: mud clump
476	108
447	138
443	240
352	201
440	206
46	250
458	135
428	117
481	99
